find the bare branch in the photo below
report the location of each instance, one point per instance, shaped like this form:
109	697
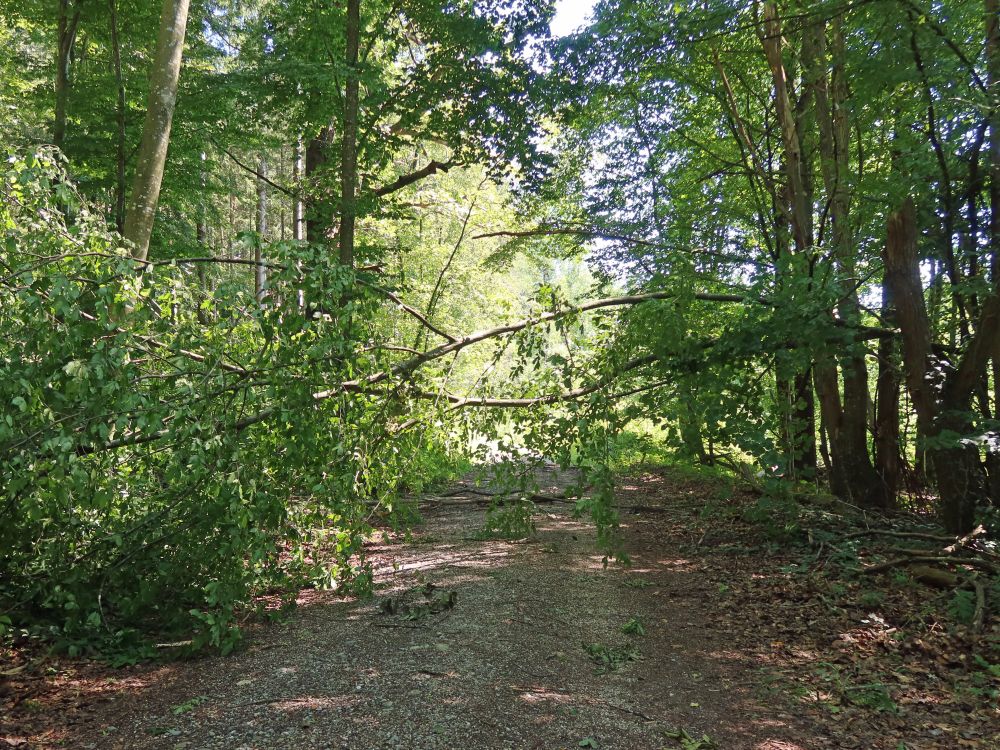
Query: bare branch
409	179
416	314
256	173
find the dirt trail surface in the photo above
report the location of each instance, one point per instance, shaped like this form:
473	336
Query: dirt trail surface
506	667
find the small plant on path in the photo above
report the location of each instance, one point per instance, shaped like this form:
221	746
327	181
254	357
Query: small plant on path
634	627
612	658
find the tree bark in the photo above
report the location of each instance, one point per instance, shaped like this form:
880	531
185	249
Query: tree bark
156	129
317	220
941	423
201	237
789	133
888	458
902	277
802	431
66	29
858	480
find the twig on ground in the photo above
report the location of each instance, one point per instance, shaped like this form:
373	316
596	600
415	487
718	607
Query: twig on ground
624	709
974	562
901	535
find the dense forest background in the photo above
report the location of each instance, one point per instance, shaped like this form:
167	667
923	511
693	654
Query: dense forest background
269	268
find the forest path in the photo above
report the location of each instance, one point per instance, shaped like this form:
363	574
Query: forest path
506	667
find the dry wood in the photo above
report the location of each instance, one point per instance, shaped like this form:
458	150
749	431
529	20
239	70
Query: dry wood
974	562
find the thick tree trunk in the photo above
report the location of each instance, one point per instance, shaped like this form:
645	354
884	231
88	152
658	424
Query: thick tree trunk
789	133
797	410
902	278
804	418
833	424
66	29
156	129
349	143
957	468
690	424
116	66
860	483
802	409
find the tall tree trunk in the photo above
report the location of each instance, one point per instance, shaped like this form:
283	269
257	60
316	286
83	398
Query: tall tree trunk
804	418
798	192
902	278
992	8
801	213
66	29
156	129
317	219
946	195
116	65
349	143
690	424
201	237
260	271
298	212
957	468
888	457
859	482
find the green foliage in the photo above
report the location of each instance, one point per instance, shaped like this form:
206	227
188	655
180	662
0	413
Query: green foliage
188	705
962	606
871	599
874	696
985	680
689	742
174	447
167	458
634	448
634	627
512	520
776	513
611	658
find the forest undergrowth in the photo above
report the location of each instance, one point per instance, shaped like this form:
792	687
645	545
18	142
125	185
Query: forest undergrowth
879	625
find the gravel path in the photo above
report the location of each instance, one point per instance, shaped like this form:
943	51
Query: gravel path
506	667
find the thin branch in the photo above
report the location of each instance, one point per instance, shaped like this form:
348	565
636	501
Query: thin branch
416	314
974	562
454	345
287	191
223	261
519	403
